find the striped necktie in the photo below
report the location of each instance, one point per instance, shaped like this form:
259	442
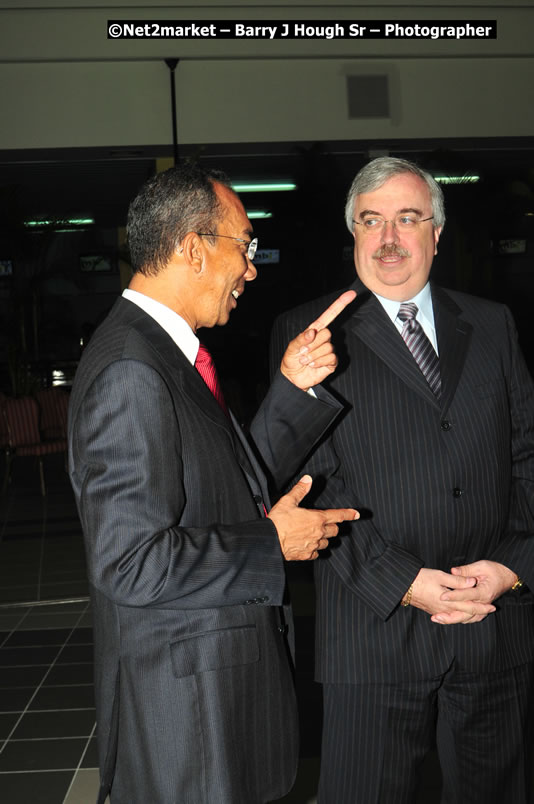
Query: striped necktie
206	368
422	350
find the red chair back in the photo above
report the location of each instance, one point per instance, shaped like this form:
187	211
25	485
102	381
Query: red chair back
22	419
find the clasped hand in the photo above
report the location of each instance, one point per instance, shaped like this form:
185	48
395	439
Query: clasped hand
465	595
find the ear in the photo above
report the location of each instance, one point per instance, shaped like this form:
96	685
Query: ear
437	235
191	249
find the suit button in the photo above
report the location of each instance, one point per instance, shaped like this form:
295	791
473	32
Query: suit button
265	600
456	492
445	425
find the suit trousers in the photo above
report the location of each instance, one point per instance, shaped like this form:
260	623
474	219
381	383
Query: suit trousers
375	737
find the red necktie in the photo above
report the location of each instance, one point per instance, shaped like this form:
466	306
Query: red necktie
206	368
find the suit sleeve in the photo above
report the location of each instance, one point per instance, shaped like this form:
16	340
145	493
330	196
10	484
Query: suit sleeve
130	481
288	424
377	571
516	550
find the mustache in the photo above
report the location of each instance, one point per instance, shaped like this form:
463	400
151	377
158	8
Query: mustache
391	250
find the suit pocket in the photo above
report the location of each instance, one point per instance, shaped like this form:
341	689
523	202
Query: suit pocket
214	650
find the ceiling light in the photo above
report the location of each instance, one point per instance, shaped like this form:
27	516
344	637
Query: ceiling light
258	213
457	179
263	187
60	222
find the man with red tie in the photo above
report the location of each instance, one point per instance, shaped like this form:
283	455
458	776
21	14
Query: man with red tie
195	700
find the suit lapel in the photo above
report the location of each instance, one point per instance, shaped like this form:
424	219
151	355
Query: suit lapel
193	386
371	324
454	337
183	373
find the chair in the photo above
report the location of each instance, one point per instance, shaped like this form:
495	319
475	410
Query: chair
21	416
53	403
3	427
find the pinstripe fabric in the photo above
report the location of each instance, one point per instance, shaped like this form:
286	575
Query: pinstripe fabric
195	699
440	483
376	737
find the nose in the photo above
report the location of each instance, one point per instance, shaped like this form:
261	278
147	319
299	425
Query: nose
389	232
252	271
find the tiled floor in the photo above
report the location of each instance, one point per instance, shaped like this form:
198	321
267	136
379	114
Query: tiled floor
47	715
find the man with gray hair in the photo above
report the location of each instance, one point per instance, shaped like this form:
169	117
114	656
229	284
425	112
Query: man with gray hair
194	690
436	449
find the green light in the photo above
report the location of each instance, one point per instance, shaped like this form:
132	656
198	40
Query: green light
266	187
258	213
457	179
60	222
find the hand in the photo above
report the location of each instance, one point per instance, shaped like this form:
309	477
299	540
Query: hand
303	532
310	357
492	581
429	587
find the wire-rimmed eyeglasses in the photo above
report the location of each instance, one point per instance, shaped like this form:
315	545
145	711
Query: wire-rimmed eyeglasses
402	223
252	245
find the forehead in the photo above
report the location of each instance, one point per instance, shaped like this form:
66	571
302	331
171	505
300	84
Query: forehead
233	213
404	191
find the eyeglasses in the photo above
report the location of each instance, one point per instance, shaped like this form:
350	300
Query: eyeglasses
252	245
402	223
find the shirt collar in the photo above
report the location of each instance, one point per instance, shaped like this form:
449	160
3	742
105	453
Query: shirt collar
423	300
175	326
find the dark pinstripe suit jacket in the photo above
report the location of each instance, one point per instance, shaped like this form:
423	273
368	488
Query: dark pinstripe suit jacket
195	700
441	484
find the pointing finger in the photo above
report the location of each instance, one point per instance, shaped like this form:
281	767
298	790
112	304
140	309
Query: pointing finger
333	311
340	515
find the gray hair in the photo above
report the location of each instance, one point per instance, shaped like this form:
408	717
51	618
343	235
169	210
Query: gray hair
378	171
182	199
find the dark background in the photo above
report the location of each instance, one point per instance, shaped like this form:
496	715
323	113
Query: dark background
49	305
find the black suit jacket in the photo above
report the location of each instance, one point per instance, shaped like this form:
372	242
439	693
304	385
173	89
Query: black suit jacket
439	484
195	698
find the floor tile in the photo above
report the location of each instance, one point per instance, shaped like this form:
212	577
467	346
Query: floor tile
8	622
83	635
84	787
90	758
74	653
50	636
15	700
53	620
27	755
65	697
21	676
21	788
70	674
68	723
7	721
28	655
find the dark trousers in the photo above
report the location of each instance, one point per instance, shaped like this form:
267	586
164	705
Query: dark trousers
375	738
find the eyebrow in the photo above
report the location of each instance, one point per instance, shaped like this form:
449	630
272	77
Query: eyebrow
402	211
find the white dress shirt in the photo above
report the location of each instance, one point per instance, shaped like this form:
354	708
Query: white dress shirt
179	330
425	313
